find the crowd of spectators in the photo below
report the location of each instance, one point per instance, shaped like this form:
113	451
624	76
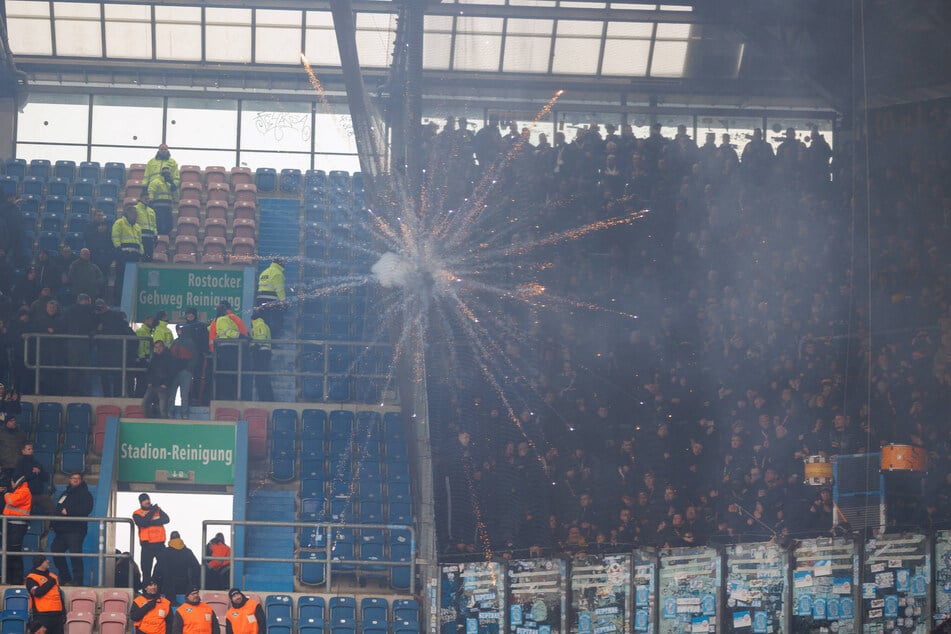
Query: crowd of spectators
784	310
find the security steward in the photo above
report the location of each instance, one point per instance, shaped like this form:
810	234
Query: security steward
194	616
226	326
270	297
18	501
147	226
150	611
127	240
244	615
218	574
151	521
46	599
261	356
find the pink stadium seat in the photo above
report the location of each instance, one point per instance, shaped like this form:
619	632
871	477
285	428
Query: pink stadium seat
112	623
188	208
187	226
79	622
160	254
134	188
216	227
244	228
133	411
103	413
186	249
216	209
242	251
245	209
115	601
246	193
226	413
241	176
219	191
190	174
82	600
257	431
214	250
136	171
215	174
191	190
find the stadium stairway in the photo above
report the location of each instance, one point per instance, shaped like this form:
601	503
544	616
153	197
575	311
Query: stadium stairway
279	234
270	541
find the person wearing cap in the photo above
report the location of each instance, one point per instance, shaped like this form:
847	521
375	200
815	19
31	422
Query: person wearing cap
218	571
261	356
127	241
270	296
150	611
226	325
18	501
194	616
197	331
46	598
75	501
178	570
151	521
244	615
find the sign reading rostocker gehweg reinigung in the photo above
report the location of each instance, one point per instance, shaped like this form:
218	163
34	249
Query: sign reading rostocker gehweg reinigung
173	289
167	452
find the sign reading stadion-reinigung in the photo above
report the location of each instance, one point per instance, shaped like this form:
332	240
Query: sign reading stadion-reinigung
173	289
201	454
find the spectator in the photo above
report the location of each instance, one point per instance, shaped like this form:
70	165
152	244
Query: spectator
46	598
160	330
30	469
271	294
197	332
187	359
218	572
244	615
195	616
261	356
162	159
75	501
162	193
82	322
151	613
126	241
84	276
18	502
150	521
159	377
178	569
226	327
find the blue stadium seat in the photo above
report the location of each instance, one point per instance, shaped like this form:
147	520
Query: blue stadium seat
85	187
370	471
265	179
30	207
373	626
49	416
315	178
313	572
343	626
80	205
371	512
311	488
41	168
313	423
109	188
15	168
371	492
13	621
279	625
26	417
397	472
278	606
65	169
282	467
343	608
45	457
406	610
9	185
311	510
108	206
78	222
339	178
52	221
406	627
16	600
57	186
33	186
284	422
312	538
56	204
290	181
79	417
76	439
341	424
90	170
114	171
310	626
400	551
73	460
399	513
399	492
282	445
396	452
311	607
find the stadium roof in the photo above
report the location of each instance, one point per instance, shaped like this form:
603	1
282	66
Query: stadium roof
711	52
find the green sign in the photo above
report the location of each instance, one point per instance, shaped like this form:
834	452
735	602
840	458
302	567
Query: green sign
175	452
175	288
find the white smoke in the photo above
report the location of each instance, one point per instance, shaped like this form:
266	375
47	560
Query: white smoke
392	270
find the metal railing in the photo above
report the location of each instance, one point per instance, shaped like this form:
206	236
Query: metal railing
38	345
327	549
101	556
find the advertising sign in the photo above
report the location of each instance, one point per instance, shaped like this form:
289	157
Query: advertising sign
473	598
174	288
823	581
170	452
689	582
601	594
895	584
756	588
536	596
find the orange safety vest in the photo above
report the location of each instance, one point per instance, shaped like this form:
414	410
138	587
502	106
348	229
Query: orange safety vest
218	550
242	619
196	619
49	602
150	534
19	501
154	621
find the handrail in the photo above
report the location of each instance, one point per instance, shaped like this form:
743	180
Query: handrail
101	556
36	364
328	549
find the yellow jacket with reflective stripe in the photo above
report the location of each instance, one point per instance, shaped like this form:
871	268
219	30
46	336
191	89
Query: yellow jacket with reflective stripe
153	169
160	189
261	334
125	235
146	219
271	281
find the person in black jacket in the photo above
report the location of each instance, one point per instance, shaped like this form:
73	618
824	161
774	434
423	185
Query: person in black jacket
46	598
178	569
159	378
30	469
75	501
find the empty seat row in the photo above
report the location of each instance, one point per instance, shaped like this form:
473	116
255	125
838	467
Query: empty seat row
191	208
42	168
221	192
